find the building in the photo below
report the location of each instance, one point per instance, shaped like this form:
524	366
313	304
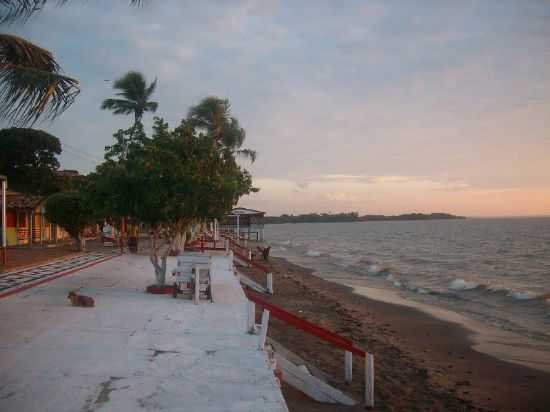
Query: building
248	223
27	224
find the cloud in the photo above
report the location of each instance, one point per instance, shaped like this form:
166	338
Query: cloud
380	102
345	178
340	196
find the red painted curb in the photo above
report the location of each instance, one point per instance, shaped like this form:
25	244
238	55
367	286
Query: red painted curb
53	277
160	290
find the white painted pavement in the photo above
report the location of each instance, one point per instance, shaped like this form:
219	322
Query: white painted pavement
133	351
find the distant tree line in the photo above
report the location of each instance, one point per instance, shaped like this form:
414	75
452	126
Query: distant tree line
354	217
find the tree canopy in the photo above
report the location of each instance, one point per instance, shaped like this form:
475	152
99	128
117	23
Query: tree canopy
71	211
170	181
29	159
133	97
212	116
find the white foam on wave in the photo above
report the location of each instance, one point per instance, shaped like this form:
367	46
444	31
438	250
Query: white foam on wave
461	284
519	295
394	281
514	293
373	269
313	253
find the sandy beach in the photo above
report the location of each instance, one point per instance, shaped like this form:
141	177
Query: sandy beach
422	363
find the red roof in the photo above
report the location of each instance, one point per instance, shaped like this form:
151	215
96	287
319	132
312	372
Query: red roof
18	200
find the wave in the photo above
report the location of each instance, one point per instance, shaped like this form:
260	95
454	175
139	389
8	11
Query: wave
313	253
394	281
461	284
466	285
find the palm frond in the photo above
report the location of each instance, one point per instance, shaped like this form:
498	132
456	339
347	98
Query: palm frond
118	106
151	89
14	10
133	96
31	83
151	106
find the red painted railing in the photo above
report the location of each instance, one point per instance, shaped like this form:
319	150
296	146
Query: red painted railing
293	320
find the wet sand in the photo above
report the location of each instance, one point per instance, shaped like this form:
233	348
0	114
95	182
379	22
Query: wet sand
422	363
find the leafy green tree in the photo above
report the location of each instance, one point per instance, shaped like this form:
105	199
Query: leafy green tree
126	141
133	97
28	157
213	117
71	211
171	182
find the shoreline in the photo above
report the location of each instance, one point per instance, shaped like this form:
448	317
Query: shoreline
497	343
422	362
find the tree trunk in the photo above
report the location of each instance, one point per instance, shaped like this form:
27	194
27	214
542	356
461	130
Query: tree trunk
178	243
160	268
78	243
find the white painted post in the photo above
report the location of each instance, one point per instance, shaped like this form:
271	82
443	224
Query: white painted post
226	241
251	317
263	330
369	380
270	283
197	286
348	364
249	254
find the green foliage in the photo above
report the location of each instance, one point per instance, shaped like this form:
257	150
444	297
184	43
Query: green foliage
133	97
28	159
169	181
70	210
212	116
31	83
126	141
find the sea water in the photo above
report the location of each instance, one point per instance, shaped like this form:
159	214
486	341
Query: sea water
496	271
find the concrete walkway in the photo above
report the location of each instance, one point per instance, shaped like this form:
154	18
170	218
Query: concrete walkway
133	351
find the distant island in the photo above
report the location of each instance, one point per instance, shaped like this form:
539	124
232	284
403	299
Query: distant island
354	217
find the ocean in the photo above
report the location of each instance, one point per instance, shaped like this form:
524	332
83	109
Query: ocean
495	271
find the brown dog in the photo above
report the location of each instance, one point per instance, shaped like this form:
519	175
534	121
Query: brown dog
81	300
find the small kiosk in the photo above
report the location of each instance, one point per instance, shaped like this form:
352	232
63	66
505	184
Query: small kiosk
244	223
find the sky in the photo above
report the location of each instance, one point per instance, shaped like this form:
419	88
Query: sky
380	107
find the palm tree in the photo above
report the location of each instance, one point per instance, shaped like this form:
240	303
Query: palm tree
134	94
31	83
213	115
